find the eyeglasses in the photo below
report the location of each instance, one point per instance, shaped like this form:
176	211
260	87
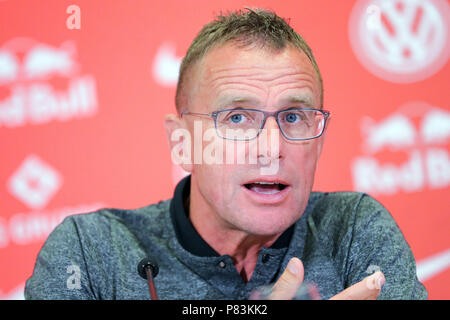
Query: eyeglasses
246	124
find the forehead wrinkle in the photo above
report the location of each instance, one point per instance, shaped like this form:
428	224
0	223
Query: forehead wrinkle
257	79
305	97
225	84
308	93
217	74
264	73
299	83
292	75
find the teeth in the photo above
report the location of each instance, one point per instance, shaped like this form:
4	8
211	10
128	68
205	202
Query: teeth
264	187
268	192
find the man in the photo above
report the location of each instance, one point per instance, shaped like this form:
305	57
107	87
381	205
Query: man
232	228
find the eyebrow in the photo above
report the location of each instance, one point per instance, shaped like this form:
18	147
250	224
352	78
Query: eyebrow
306	100
229	101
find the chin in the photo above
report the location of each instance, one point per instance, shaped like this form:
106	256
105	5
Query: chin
268	231
267	223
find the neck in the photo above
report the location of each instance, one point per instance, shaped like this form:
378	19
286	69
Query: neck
225	238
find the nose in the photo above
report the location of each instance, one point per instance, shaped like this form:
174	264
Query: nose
269	140
271	123
272	129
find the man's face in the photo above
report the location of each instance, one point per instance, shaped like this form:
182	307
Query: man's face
231	77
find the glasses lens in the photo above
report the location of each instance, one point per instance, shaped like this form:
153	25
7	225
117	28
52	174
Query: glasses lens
301	124
239	124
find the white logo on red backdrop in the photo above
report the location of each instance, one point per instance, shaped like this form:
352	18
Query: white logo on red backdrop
432	266
166	65
403	40
31	75
407	151
34	182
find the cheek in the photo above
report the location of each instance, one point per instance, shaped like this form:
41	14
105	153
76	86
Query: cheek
215	184
303	161
306	155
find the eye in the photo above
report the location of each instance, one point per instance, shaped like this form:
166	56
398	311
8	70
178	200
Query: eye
292	117
237	118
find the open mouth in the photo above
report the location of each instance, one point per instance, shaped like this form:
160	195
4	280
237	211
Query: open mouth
265	187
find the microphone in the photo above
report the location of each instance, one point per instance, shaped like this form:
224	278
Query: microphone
148	269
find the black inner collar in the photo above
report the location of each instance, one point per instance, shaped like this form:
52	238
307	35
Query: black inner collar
186	234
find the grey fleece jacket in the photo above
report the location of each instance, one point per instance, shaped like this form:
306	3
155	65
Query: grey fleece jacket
340	238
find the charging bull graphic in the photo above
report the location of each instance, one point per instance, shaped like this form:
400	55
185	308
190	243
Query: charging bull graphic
425	145
436	127
43	61
395	132
166	65
29	69
9	67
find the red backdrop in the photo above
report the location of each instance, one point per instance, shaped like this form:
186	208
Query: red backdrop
84	86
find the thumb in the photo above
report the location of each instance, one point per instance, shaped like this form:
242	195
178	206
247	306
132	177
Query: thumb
367	289
289	282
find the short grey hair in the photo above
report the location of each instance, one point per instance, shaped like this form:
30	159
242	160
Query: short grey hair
244	28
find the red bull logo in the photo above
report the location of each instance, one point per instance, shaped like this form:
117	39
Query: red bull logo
43	61
166	65
29	71
395	132
418	131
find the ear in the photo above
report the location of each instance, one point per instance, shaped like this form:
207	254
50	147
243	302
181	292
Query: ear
179	139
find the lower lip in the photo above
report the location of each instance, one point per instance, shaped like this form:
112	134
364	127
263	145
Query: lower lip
274	198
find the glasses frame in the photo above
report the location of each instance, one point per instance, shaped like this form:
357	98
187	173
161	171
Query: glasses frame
214	115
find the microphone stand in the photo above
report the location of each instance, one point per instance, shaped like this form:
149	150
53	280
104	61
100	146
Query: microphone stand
151	285
148	269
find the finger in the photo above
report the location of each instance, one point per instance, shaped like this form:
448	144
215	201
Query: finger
289	282
367	289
